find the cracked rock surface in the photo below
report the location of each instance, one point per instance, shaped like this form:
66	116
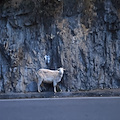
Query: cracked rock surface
83	36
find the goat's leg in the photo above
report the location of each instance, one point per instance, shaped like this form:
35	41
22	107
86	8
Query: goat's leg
39	88
39	85
54	85
55	89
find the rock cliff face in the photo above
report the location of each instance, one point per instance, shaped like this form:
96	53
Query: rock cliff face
83	36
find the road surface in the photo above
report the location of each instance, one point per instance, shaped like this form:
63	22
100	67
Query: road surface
61	109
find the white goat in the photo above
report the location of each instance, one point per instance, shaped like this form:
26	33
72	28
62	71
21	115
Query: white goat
49	76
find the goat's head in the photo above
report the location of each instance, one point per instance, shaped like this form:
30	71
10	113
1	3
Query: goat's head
61	70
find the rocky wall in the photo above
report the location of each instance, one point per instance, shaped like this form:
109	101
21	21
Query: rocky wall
83	36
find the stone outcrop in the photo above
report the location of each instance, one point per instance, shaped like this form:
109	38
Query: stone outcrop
83	36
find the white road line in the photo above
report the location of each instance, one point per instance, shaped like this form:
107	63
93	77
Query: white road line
67	98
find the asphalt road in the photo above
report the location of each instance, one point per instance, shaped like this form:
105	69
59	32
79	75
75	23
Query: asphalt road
61	109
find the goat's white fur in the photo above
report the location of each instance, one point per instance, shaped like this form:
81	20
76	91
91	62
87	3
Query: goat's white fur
49	76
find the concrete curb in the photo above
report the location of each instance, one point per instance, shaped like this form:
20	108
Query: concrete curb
93	93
